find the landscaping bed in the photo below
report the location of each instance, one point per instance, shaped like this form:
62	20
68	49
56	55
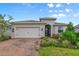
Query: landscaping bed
57	47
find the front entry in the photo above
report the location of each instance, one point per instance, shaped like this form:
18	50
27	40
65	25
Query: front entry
48	30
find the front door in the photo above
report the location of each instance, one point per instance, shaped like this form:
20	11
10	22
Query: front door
48	30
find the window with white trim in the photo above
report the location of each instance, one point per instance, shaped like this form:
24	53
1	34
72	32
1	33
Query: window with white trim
60	29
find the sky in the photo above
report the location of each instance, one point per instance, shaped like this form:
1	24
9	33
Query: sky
64	12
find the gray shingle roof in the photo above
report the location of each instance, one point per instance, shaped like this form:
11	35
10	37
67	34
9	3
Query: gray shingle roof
28	22
77	26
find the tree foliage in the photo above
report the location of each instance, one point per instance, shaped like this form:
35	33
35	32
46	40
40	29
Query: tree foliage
4	23
70	27
69	34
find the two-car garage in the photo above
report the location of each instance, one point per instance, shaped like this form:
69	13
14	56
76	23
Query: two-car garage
28	30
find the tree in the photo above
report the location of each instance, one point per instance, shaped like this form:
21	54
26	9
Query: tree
4	23
70	27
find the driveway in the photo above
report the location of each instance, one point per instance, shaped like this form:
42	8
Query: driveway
20	47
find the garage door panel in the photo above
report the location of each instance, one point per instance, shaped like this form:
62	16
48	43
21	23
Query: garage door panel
27	32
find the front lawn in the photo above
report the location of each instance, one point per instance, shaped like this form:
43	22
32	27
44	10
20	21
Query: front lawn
57	51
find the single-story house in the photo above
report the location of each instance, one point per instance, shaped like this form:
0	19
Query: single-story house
36	29
77	28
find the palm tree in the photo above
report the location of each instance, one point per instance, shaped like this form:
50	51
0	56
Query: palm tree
4	23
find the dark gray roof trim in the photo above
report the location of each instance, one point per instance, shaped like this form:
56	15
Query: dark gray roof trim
62	24
47	18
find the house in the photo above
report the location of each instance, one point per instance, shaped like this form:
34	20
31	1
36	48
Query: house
46	26
77	28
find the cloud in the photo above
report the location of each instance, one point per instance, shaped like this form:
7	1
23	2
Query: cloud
61	15
50	11
60	10
68	3
76	15
58	15
55	11
54	15
68	10
28	5
41	10
58	5
50	5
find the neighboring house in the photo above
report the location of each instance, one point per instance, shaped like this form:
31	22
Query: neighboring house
37	29
77	28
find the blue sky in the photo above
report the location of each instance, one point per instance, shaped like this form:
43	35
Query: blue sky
64	12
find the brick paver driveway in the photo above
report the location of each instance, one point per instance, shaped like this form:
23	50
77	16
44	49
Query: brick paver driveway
20	47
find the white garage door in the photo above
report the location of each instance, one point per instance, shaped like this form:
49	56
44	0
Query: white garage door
27	32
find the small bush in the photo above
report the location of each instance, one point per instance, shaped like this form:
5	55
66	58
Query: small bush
48	42
1	38
77	44
4	37
7	37
55	42
77	35
55	36
65	43
45	43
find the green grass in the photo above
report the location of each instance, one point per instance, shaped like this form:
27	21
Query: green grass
57	51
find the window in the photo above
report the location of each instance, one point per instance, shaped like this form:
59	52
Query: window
60	29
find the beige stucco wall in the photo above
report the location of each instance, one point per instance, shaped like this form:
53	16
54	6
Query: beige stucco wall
42	32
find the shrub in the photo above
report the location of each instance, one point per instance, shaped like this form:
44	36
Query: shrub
55	42
45	43
4	37
1	38
77	44
65	43
7	37
55	36
49	42
77	34
70	36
